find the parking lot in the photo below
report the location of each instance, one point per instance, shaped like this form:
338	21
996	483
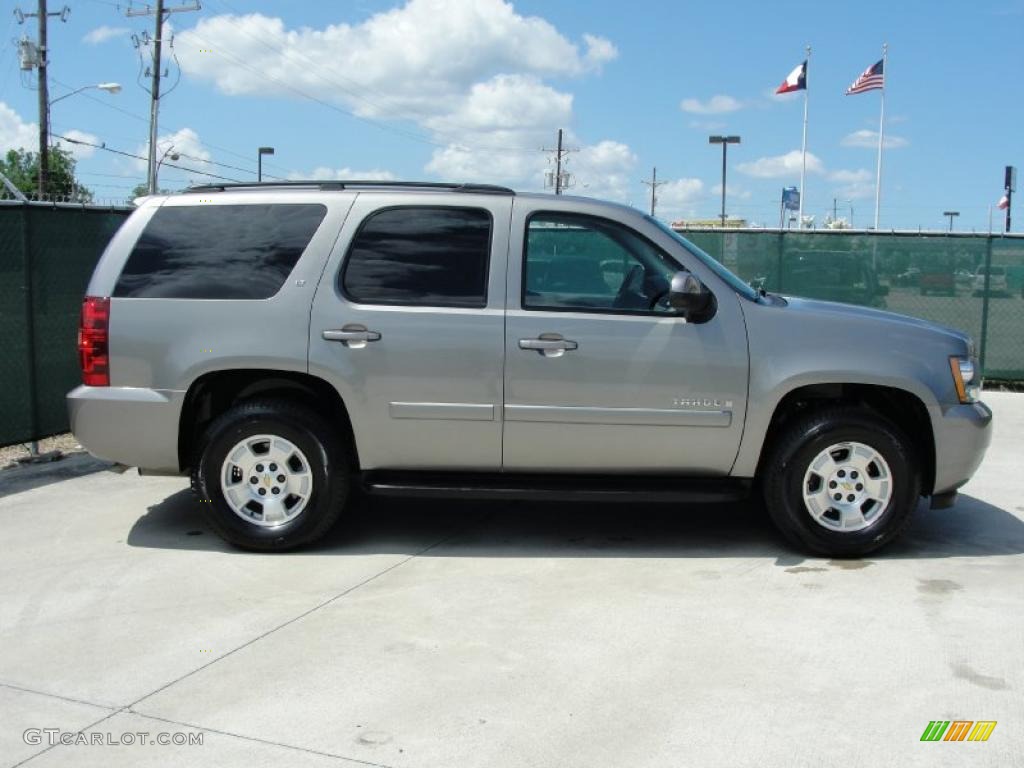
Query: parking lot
513	634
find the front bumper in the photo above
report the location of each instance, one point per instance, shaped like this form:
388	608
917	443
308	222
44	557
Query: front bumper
962	435
129	425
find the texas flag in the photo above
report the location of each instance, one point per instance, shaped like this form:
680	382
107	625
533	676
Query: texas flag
795	81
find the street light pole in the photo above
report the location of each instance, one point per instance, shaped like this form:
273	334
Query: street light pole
156	172
952	215
259	161
111	88
725	141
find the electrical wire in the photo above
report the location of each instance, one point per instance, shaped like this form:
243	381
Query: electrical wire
145	120
132	155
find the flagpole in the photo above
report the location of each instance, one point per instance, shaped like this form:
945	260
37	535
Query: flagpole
803	161
881	133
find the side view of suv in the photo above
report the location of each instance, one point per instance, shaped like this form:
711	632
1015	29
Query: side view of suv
288	344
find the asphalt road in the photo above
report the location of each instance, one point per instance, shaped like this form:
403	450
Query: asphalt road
458	634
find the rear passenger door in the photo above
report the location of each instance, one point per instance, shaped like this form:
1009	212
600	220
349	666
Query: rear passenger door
408	325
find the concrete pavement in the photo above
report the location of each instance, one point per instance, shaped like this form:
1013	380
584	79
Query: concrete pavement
459	634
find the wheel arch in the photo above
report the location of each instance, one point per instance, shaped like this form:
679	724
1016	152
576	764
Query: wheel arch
214	393
902	407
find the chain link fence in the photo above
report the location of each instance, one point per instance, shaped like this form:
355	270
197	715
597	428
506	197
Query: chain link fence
971	282
47	254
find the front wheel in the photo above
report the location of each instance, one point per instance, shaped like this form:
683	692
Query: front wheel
841	482
271	475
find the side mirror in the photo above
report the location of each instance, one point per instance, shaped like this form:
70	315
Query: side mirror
688	295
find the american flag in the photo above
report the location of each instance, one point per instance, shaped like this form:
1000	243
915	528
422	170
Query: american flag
871	80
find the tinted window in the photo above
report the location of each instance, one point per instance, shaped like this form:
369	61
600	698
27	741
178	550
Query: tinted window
219	251
586	263
425	256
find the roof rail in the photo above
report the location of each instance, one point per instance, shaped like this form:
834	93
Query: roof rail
483	189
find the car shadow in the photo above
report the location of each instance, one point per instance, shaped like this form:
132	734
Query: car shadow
27	477
454	528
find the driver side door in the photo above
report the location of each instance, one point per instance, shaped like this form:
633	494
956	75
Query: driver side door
600	374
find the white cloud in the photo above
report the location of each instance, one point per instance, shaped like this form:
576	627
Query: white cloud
599	50
869	139
414	61
734	191
323	173
716	105
468	74
105	33
80	151
183	142
853	185
677	198
781	166
16	133
604	170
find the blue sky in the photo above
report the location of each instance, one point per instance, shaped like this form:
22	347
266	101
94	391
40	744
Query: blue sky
473	89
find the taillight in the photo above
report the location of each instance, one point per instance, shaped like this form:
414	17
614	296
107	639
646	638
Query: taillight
93	341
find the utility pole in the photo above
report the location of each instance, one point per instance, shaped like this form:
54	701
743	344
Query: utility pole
560	181
160	12
653	184
558	165
44	92
835	206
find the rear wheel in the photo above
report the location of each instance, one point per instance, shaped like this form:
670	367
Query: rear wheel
841	482
272	475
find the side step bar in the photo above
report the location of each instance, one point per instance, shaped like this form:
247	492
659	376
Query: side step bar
555	487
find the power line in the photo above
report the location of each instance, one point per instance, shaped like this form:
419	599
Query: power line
140	118
105	148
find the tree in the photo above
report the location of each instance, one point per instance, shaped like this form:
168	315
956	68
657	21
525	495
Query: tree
141	190
22	168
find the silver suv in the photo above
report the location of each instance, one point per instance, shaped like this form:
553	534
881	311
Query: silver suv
289	344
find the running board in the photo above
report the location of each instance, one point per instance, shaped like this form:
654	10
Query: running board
555	487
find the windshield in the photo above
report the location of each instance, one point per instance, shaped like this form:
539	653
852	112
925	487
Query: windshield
709	261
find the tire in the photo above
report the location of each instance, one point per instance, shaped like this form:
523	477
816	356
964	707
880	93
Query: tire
790	471
317	475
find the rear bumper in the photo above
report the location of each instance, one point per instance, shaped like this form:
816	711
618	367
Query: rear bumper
962	435
129	425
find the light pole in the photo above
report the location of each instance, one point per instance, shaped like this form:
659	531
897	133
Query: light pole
725	141
174	156
259	161
952	215
110	88
44	157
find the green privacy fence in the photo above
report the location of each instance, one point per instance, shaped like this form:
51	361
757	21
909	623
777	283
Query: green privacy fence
971	282
47	254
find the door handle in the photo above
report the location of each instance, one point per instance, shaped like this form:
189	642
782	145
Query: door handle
352	335
549	347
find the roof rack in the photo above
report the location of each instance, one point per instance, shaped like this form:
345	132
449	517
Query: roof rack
483	189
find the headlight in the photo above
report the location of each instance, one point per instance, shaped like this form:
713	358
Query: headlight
967	389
